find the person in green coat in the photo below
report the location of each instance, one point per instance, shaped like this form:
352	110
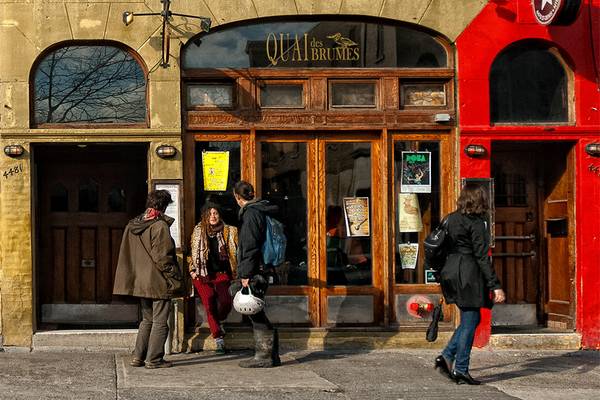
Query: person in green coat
147	268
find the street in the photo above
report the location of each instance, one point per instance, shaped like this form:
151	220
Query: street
383	374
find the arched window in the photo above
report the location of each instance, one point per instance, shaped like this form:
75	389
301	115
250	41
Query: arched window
528	84
91	84
315	44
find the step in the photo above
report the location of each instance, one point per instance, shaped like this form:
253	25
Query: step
299	339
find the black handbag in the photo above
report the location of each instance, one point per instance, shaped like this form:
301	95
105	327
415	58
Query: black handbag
436	316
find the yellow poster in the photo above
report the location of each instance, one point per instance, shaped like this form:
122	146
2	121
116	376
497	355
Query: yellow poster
215	167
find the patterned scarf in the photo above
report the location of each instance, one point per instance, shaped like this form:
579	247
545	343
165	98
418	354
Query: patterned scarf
152	213
200	246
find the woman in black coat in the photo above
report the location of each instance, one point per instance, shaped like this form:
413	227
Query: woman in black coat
467	279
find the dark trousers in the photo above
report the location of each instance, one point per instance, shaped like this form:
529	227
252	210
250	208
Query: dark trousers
459	347
153	330
214	293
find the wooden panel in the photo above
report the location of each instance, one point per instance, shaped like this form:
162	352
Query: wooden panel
88	273
56	271
391	91
73	268
104	268
115	236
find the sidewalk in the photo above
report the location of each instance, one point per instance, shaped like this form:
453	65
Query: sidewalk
382	374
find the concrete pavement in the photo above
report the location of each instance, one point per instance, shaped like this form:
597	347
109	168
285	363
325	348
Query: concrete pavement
380	374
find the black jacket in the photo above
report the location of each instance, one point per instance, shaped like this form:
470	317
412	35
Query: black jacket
252	235
468	275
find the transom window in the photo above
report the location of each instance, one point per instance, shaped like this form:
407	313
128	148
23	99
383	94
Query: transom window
528	84
315	44
92	84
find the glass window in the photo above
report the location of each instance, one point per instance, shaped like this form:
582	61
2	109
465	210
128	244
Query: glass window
528	84
94	84
224	198
423	95
353	94
210	95
348	214
88	196
117	200
417	199
281	95
59	198
284	183
315	44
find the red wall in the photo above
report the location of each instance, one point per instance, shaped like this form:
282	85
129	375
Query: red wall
501	23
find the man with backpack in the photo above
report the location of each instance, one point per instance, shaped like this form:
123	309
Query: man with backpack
254	218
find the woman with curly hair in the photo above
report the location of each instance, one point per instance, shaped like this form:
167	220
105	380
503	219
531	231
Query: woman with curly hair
213	263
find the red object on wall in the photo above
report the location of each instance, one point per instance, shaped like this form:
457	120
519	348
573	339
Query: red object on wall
500	24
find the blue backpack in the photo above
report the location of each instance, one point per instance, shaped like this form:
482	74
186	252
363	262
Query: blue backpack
273	249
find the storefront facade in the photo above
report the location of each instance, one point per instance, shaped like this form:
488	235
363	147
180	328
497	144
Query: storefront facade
529	91
343	114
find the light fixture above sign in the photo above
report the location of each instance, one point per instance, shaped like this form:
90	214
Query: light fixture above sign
555	12
166	15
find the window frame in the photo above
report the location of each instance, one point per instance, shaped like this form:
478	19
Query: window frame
448	100
87	125
215	82
333	81
260	83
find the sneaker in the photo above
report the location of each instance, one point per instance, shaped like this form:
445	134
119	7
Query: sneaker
136	362
160	364
220	346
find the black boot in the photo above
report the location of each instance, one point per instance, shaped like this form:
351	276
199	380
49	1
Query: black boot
264	356
461	378
442	366
275	349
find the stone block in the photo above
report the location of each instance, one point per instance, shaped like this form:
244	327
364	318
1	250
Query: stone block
87	20
22	53
136	34
164	104
231	10
14	103
361	7
151	53
405	10
171	168
267	8
514	314
309	7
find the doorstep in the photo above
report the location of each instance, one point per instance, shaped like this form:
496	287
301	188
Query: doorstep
299	339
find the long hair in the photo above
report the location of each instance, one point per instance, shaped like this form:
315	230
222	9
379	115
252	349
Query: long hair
205	215
473	199
244	189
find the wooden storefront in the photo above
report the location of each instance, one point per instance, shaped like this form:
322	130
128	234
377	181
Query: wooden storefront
317	114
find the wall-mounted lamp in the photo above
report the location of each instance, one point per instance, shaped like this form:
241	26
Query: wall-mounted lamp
593	149
475	150
166	151
14	150
166	14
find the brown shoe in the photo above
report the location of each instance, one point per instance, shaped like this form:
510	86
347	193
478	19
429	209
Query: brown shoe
161	364
136	362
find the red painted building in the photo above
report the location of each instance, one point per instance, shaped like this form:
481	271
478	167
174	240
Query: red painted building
529	94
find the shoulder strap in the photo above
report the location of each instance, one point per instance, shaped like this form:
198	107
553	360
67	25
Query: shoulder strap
149	255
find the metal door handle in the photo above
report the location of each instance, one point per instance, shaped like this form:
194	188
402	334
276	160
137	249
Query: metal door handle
88	263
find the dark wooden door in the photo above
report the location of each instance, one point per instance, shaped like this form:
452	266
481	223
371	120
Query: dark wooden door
86	197
516	254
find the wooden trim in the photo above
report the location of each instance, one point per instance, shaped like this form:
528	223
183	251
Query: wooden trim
234	95
351	107
269	73
387	238
415	288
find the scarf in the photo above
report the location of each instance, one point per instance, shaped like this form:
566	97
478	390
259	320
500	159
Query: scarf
200	246
152	213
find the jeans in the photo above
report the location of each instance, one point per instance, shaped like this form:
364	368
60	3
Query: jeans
458	349
214	293
153	330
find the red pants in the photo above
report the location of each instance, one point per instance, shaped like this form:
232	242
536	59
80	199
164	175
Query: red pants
214	293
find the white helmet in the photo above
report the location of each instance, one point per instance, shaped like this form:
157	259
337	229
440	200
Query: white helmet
247	304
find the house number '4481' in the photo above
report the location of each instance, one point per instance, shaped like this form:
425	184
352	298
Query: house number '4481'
17	169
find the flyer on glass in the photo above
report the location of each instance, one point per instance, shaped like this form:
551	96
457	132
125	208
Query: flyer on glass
215	167
415	174
409	213
356	214
409	253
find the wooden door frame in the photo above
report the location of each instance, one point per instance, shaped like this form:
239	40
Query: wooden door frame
448	185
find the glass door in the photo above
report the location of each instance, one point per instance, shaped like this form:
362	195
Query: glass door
350	199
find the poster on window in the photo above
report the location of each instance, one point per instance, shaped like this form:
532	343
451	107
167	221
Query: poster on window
415	174
356	214
215	170
430	276
409	213
408	255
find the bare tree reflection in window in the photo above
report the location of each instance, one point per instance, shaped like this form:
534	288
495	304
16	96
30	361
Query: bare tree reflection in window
89	84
